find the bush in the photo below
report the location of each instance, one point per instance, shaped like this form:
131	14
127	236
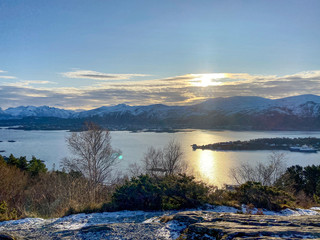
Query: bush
302	179
260	196
223	197
55	193
13	184
182	191
312	180
6	213
140	193
159	193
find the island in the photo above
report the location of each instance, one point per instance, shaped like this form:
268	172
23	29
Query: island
309	144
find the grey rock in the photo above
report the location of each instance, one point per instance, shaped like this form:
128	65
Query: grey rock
189	225
189	217
239	226
5	236
96	228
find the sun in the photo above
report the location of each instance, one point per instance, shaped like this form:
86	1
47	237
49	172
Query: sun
205	81
208	79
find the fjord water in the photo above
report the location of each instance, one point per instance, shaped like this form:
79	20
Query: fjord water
210	166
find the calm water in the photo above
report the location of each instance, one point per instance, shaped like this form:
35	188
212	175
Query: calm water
211	166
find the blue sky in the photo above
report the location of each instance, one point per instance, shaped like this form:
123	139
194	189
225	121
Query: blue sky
85	54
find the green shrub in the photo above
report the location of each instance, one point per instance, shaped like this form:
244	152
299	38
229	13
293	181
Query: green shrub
142	192
222	197
312	180
260	196
302	179
182	191
157	193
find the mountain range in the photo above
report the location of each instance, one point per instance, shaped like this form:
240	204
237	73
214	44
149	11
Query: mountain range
242	112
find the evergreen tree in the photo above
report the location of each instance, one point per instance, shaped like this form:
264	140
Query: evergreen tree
2	161
312	179
23	163
13	161
36	166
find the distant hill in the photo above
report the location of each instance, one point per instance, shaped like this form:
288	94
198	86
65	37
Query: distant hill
239	113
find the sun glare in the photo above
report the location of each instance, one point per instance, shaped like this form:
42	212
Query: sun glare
208	79
206	166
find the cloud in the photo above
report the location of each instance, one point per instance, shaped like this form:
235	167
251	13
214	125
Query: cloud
5	77
175	90
87	74
180	78
27	83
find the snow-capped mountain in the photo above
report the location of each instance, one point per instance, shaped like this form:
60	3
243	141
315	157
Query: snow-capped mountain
43	111
156	110
298	112
299	105
235	104
297	100
303	105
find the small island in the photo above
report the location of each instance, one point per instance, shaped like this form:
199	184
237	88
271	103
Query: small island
309	144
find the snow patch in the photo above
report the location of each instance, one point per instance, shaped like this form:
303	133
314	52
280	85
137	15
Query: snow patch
171	230
315	208
285	212
224	209
24	221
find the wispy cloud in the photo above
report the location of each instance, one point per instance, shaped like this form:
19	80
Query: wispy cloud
175	90
5	76
27	83
87	74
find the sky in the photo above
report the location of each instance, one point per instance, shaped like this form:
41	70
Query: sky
83	54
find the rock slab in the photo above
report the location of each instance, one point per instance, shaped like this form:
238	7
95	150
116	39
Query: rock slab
188	225
206	225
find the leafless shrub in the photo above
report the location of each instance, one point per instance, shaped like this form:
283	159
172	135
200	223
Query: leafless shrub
166	161
13	182
135	170
153	162
265	173
56	192
172	158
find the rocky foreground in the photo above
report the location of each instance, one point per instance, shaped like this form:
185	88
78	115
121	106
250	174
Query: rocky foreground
181	225
238	226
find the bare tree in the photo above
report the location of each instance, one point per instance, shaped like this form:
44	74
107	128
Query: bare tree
166	161
134	170
276	159
172	157
153	162
266	174
93	154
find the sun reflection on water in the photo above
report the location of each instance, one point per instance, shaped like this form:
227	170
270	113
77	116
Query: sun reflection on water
207	166
212	167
